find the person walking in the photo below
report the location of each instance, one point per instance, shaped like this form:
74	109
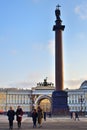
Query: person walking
76	116
71	114
40	116
11	114
19	114
45	115
34	117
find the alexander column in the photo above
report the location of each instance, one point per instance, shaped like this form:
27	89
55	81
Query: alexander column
59	96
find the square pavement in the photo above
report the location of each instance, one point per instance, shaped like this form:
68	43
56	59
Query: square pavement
57	123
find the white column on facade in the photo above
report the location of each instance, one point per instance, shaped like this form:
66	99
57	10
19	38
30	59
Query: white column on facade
71	98
25	99
77	102
10	98
74	98
22	98
19	99
28	99
77	98
13	99
16	99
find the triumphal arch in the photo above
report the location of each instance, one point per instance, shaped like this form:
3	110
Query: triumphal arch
42	95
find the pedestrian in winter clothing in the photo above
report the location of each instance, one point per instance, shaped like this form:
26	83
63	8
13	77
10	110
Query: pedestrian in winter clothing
71	115
76	116
11	114
19	114
34	117
40	116
44	115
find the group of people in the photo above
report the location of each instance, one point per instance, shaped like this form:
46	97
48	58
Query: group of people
36	115
11	114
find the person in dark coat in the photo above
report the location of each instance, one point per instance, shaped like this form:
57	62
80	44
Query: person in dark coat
34	117
19	114
71	115
11	114
44	115
76	116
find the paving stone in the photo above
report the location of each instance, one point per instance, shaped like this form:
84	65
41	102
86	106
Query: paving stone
58	123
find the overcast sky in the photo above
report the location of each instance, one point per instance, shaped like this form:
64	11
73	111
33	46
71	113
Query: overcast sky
27	42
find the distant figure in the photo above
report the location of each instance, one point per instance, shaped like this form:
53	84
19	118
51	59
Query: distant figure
76	116
44	115
71	115
40	116
11	114
50	114
19	114
34	117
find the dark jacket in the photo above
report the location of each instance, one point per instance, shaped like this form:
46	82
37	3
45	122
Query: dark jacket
19	114
34	115
11	114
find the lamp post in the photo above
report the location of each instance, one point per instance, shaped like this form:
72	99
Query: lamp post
32	101
30	104
6	101
81	101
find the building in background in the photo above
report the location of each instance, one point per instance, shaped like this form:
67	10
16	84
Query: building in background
77	98
14	97
42	95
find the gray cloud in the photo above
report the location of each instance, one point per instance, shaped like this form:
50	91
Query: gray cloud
23	84
73	84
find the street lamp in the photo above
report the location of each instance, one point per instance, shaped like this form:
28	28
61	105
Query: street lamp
6	101
81	101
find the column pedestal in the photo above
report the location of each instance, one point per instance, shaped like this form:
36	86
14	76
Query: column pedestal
59	103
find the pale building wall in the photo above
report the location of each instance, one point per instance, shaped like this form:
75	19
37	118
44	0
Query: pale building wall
27	98
15	97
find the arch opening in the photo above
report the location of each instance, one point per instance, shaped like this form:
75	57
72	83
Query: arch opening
45	103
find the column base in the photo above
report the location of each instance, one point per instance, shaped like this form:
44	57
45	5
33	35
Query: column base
59	103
